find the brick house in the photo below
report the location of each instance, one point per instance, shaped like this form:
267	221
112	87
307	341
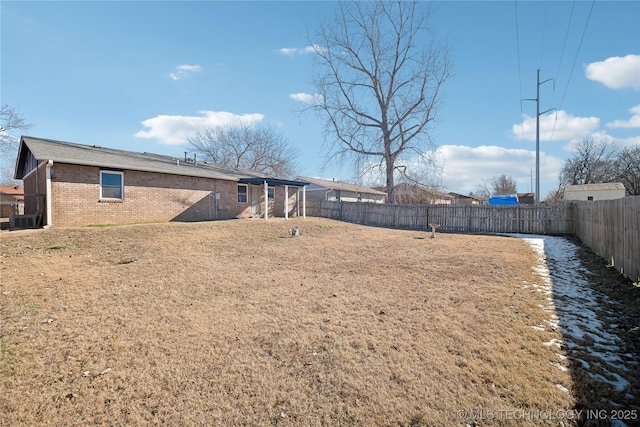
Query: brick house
324	189
68	184
11	201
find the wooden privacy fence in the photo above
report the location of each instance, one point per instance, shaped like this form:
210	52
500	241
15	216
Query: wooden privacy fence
531	219
611	228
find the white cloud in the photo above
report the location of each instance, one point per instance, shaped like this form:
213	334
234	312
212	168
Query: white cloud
296	51
560	126
462	169
616	72
183	71
467	167
306	98
628	142
633	122
174	130
605	137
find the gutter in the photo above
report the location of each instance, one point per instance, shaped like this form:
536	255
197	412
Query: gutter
48	193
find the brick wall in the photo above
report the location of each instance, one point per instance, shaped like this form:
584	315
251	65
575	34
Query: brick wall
148	197
276	207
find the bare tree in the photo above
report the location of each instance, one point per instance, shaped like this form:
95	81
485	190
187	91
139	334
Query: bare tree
379	82
504	184
555	195
11	121
482	191
627	166
246	146
592	163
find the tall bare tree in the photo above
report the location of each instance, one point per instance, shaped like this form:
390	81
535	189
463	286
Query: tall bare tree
628	169
246	146
10	122
379	81
592	163
504	184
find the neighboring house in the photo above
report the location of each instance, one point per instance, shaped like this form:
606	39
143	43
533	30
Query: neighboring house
74	184
11	201
461	199
526	198
590	192
324	189
412	194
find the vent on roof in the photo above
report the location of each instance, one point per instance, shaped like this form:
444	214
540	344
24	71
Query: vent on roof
23	221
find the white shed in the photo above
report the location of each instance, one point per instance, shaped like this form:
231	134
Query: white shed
591	192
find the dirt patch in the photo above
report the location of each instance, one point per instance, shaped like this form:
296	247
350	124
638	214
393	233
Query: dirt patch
238	323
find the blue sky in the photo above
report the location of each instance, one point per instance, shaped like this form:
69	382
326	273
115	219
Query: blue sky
141	75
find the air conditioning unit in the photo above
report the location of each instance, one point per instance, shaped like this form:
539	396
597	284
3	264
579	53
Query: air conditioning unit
23	221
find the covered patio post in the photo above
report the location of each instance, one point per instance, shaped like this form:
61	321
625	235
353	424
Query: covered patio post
286	202
304	201
266	200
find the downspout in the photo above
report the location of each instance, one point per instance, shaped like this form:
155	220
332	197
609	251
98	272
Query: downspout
48	194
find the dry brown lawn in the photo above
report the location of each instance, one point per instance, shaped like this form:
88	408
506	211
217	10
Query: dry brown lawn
237	323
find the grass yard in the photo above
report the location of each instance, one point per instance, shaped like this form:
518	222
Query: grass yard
237	323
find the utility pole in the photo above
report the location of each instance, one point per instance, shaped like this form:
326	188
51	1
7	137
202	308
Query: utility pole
538	113
531	179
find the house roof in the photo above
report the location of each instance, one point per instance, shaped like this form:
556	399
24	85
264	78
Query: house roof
404	188
463	196
337	185
272	181
88	155
12	191
595	187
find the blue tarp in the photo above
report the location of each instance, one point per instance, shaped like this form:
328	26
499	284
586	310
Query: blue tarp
504	199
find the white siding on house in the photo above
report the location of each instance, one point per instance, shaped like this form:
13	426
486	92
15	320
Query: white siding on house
320	189
593	192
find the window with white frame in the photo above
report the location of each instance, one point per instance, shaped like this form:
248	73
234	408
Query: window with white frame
271	193
242	193
111	185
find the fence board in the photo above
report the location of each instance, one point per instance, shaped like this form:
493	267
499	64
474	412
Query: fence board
540	219
611	228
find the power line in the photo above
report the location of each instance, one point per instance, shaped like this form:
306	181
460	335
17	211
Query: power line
564	45
566	36
515	5
575	59
544	31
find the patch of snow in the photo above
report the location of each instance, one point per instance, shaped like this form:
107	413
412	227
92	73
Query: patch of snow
618	382
584	363
553	341
577	309
562	388
561	367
